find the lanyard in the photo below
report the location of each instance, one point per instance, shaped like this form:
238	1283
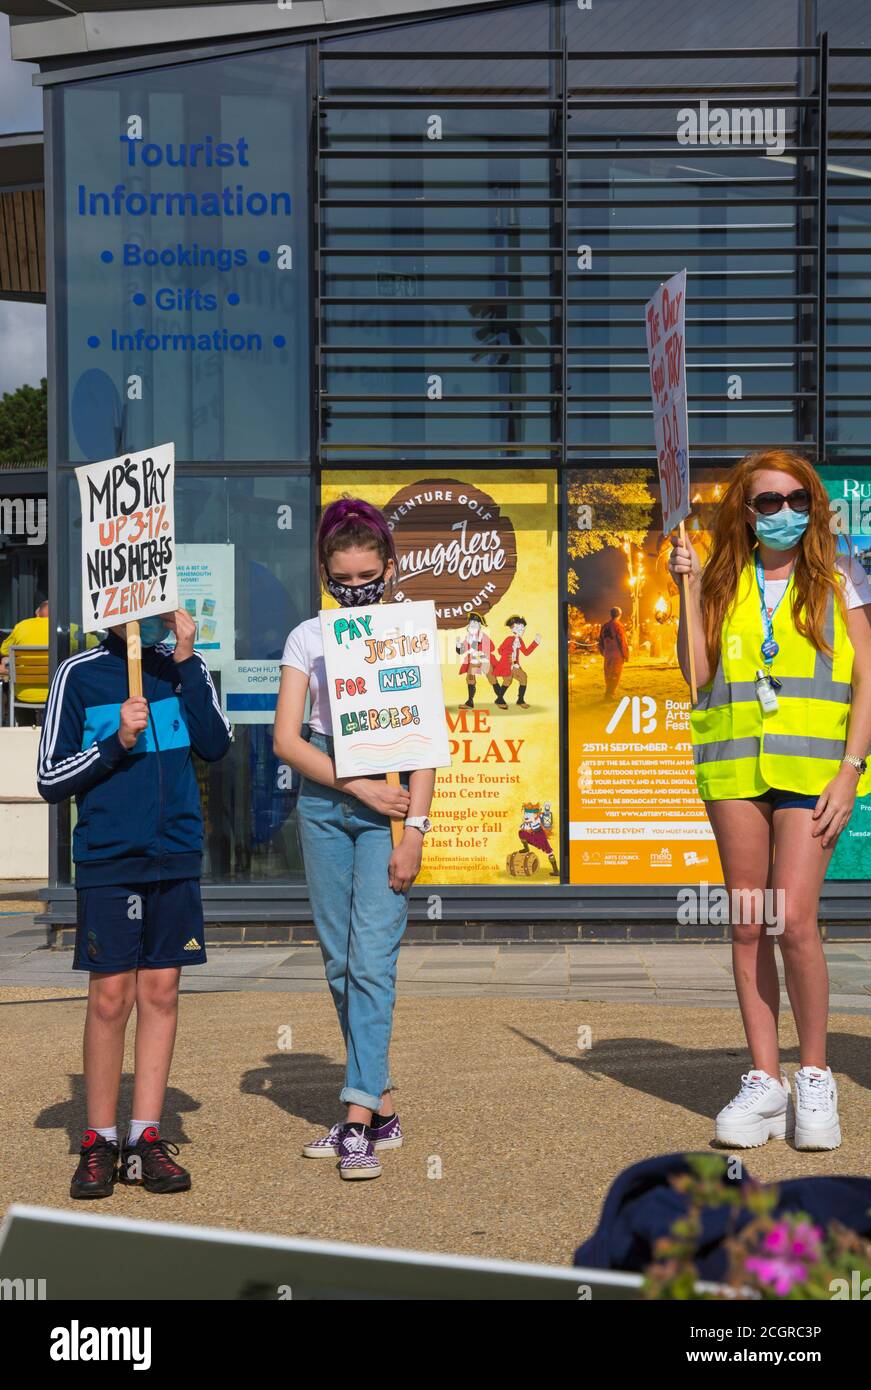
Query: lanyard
770	648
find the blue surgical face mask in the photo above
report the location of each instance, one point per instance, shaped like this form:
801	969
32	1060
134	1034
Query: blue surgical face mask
783	530
152	630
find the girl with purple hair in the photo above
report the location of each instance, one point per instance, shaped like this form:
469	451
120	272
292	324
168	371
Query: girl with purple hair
358	882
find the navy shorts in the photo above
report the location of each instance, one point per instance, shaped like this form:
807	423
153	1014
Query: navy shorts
778	799
145	926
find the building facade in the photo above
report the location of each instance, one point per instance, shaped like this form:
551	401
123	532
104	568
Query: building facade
403	250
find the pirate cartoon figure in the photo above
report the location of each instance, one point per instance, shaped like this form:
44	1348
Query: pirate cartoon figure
532	833
507	667
476	648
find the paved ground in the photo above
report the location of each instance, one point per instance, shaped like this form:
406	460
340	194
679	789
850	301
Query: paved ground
664	973
528	1078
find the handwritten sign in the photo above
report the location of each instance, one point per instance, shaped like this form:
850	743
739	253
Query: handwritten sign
385	686
128	537
665	316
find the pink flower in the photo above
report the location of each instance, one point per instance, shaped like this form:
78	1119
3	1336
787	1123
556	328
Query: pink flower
780	1274
807	1241
777	1240
801	1241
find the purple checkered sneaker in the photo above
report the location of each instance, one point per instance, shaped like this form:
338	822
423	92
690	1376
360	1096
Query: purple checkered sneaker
325	1147
357	1156
387	1136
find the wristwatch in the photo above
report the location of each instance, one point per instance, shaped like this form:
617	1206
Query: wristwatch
421	823
860	764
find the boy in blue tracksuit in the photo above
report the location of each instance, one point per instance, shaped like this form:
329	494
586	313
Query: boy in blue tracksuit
137	847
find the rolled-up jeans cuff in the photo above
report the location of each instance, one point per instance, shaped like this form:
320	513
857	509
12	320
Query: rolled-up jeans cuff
350	1096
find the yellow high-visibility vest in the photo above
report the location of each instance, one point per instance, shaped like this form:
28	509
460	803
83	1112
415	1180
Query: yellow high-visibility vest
741	751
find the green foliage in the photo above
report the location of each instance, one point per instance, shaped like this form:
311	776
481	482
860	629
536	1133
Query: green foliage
620	504
24	425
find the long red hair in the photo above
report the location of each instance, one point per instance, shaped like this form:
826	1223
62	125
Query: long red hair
734	540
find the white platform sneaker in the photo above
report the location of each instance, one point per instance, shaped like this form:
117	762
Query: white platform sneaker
762	1110
817	1125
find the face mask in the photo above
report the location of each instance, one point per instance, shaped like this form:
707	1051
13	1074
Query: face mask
152	630
783	530
357	595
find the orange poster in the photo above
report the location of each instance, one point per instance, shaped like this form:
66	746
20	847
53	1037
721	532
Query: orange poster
635	813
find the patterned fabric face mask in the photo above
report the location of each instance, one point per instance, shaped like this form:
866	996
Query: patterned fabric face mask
357	595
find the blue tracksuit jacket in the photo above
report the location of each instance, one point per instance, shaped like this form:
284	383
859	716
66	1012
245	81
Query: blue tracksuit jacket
139	815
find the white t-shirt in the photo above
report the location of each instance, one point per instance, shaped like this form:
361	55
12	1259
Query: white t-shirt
304	651
857	586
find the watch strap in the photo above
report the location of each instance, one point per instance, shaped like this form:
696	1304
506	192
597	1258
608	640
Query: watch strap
421	823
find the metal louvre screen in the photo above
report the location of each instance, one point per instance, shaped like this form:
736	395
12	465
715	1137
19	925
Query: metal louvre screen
493	218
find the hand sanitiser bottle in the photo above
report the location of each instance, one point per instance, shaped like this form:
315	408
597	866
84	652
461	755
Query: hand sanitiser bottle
765	693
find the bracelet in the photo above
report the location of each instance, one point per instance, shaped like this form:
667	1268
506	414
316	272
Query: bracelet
856	762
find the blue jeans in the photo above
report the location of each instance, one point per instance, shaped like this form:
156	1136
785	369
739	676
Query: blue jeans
360	922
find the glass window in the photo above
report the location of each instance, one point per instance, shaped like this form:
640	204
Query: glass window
848	316
244	560
23	549
846	22
183	264
499	29
639	26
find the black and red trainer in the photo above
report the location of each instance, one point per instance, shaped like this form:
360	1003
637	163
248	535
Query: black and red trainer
98	1167
148	1163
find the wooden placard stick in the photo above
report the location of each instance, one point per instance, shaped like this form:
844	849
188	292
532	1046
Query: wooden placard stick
134	659
694	694
397	828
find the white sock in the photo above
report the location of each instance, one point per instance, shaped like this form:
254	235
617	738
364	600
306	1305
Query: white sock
110	1134
138	1126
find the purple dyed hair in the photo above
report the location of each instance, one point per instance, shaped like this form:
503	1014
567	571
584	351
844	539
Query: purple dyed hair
352	522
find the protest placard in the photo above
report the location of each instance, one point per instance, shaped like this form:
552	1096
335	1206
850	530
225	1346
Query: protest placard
664	322
128	543
385	686
664	318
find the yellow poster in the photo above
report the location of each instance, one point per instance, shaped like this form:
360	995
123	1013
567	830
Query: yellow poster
484	548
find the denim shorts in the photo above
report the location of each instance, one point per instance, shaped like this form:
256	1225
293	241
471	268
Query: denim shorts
779	799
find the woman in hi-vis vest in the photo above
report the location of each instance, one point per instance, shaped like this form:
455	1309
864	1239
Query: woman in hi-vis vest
780	732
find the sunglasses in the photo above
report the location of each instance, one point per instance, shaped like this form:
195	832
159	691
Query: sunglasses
769	503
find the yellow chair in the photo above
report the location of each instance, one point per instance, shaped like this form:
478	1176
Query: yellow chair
28	667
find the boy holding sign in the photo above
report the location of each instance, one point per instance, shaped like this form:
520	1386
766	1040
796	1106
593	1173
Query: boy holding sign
358	877
137	847
124	753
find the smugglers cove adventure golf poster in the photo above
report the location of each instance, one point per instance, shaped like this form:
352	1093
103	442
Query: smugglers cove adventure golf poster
484	549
